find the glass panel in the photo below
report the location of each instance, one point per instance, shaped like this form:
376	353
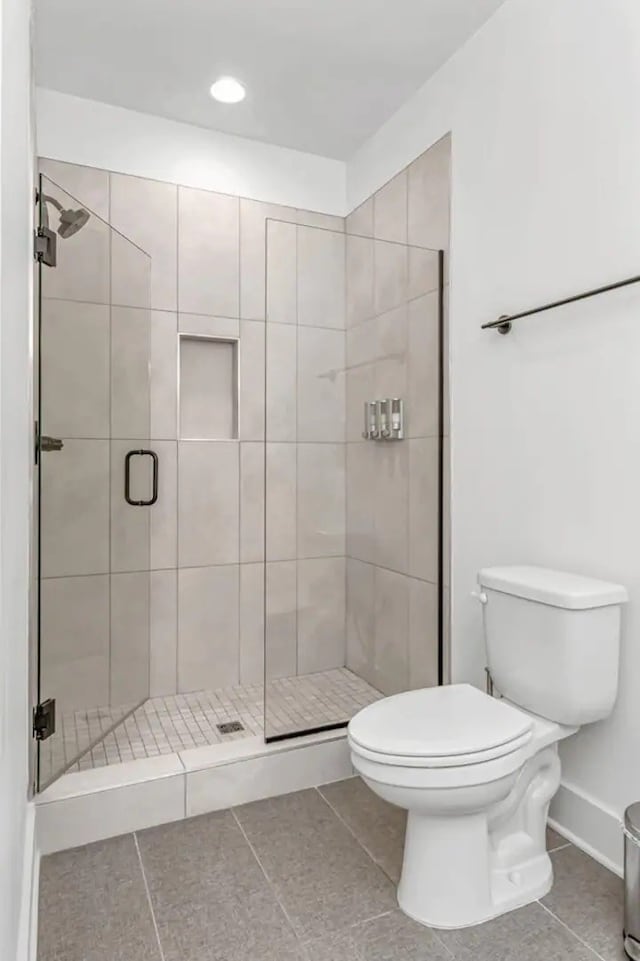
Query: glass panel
352	525
94	546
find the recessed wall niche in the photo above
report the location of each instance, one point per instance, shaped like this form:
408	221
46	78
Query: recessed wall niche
208	393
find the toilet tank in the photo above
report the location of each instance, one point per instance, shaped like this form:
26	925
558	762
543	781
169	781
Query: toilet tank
553	641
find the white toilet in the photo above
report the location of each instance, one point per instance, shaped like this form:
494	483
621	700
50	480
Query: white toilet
476	773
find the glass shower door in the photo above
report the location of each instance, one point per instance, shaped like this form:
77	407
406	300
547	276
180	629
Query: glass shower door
96	478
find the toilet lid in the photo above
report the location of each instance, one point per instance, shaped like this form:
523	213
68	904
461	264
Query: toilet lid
441	724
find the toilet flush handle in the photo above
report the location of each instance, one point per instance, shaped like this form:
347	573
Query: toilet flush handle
480	596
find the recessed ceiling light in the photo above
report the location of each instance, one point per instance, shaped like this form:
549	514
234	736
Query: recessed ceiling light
227	90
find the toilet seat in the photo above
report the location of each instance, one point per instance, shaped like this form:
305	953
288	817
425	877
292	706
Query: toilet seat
442	727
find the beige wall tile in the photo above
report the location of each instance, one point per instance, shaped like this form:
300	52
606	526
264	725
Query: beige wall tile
321	384
422	393
423	508
391	655
391	275
89	186
208	503
359	280
281	497
311	218
281	619
208	253
208	326
390	210
208	628
429	196
163	633
391	473
391	353
361	500
362	351
164	513
251	623
360	619
281	268
75	369
146	211
321	278
130	525
164	370
360	220
252	373
75	509
321	614
252	467
75	641
253	215
424	271
130	387
281	372
423	634
130	273
321	500
130	609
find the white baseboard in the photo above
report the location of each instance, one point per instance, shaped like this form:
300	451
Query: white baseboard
589	825
28	935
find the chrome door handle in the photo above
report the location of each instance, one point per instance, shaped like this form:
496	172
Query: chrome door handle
50	443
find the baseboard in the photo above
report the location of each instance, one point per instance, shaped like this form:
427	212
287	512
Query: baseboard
589	825
28	935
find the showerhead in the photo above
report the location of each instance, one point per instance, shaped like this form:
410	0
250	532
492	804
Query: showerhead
71	221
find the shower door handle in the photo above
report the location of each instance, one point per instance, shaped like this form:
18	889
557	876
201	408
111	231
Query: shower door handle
127	477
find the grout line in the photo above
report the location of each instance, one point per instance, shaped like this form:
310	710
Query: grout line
571	931
560	847
353	834
150	903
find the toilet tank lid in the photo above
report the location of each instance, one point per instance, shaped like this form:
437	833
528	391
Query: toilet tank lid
557	588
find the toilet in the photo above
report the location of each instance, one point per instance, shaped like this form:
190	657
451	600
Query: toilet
475	771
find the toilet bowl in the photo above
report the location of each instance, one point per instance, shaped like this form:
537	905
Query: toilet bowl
476	775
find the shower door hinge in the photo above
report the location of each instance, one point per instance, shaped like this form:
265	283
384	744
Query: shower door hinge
44	719
44	246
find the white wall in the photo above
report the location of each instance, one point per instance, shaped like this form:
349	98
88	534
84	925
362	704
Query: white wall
15	459
98	135
543	108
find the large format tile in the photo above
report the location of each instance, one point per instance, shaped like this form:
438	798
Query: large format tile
130	273
75	369
390	210
378	826
280	391
281	270
429	196
321	500
88	185
589	899
130	524
146	211
423	634
529	934
164	375
391	656
208	503
423	508
391	275
253	217
251	623
321	614
93	905
391	484
361	500
391	937
324	879
361	342
208	252
252	380
392	353
360	220
321	384
280	527
130	609
321	278
163	633
281	619
209	895
359	280
360	618
163	548
423	373
313	218
208	628
252	465
130	383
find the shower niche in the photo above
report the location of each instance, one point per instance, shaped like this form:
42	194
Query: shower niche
208	387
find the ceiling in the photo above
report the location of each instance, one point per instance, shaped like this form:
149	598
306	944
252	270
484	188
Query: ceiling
321	75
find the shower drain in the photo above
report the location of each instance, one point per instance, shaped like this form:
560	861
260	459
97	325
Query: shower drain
230	727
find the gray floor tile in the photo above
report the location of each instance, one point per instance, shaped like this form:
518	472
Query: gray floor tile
378	826
529	934
94	907
209	894
555	840
589	899
324	878
392	937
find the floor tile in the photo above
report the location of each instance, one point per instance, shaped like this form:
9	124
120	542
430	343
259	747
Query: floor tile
555	840
324	878
378	826
392	937
529	934
209	894
589	899
94	907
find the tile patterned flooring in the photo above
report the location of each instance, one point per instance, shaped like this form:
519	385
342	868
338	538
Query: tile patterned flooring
167	724
308	876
